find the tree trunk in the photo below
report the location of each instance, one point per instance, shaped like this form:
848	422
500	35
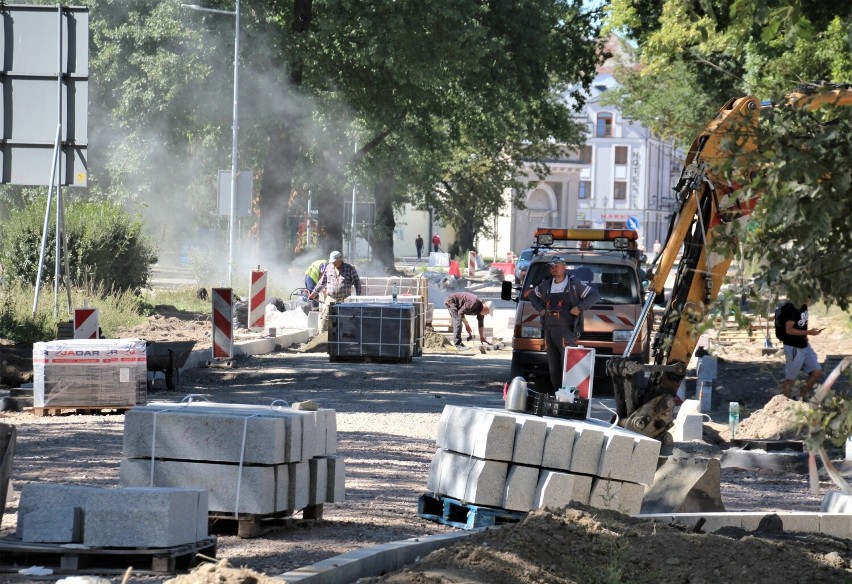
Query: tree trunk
385	224
274	194
280	162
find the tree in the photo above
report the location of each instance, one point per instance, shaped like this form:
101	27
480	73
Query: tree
695	56
801	233
800	171
333	94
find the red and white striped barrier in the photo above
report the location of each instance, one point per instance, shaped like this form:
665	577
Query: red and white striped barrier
579	370
257	301
471	264
223	323
86	323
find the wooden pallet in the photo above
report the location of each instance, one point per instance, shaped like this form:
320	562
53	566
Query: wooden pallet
368	359
42	411
16	555
463	515
248	525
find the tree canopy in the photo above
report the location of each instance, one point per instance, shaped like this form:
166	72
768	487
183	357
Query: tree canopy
692	57
438	105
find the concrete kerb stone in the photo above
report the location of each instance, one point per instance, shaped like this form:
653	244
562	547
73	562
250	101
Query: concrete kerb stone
836	502
373	561
761	459
832	524
284	338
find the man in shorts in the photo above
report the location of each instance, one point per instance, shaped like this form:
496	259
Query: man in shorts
798	354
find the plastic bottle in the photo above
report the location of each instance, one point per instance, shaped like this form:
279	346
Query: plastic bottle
394	292
733	418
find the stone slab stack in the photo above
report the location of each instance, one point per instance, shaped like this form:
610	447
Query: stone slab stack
251	460
123	517
521	462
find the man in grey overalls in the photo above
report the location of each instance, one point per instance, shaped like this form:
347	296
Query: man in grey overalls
560	300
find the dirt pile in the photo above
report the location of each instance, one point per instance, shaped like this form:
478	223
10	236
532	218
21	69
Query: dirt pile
159	327
587	545
222	573
780	419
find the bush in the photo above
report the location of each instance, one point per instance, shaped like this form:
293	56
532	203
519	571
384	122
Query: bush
106	247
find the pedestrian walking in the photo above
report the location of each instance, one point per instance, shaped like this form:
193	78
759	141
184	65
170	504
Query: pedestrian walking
418	243
799	356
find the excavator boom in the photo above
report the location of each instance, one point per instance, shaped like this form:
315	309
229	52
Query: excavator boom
706	205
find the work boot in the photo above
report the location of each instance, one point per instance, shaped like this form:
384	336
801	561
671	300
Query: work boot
459	345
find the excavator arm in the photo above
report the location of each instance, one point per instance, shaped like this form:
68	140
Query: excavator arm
705	205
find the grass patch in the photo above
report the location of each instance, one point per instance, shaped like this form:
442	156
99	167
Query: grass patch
18	324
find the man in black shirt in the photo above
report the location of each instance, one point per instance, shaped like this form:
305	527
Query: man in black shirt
798	354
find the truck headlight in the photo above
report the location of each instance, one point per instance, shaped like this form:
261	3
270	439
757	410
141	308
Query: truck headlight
621	336
531	332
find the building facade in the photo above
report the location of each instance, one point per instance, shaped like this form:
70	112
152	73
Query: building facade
621	178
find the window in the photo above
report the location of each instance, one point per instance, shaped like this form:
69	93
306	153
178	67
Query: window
585	154
604	125
585	189
619	190
621	154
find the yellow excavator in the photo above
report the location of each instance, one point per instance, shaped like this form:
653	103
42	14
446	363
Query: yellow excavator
706	204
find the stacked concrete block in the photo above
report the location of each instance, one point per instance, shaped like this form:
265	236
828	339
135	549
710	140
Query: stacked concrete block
467	478
252	460
558	489
480	432
124	517
522	462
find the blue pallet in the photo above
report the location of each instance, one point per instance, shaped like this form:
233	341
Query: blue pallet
463	515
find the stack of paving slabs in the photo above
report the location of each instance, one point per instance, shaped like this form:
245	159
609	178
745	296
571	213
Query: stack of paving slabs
89	373
521	462
252	460
362	330
92	516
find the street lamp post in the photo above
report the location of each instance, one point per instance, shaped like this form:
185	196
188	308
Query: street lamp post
234	130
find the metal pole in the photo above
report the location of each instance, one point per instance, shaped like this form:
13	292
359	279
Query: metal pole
58	166
234	142
308	224
352	232
46	220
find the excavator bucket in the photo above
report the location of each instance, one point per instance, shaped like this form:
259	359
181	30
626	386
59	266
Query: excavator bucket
685	483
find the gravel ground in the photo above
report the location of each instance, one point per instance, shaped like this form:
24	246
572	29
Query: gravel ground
387	417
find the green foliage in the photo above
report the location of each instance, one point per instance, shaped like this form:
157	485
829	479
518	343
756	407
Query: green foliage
106	248
17	322
715	50
803	240
830	421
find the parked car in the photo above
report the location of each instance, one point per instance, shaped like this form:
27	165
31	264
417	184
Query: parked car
522	264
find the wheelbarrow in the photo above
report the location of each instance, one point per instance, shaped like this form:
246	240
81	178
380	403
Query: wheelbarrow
168	357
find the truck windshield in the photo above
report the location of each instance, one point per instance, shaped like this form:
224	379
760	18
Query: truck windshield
616	284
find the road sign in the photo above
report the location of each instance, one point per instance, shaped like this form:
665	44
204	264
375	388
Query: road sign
633	222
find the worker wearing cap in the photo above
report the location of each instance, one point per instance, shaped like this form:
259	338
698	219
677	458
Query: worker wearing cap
337	280
461	303
560	300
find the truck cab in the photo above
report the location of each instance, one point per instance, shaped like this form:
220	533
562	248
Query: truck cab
607	259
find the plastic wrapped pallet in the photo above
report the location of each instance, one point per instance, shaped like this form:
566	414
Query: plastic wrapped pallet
372	330
89	373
